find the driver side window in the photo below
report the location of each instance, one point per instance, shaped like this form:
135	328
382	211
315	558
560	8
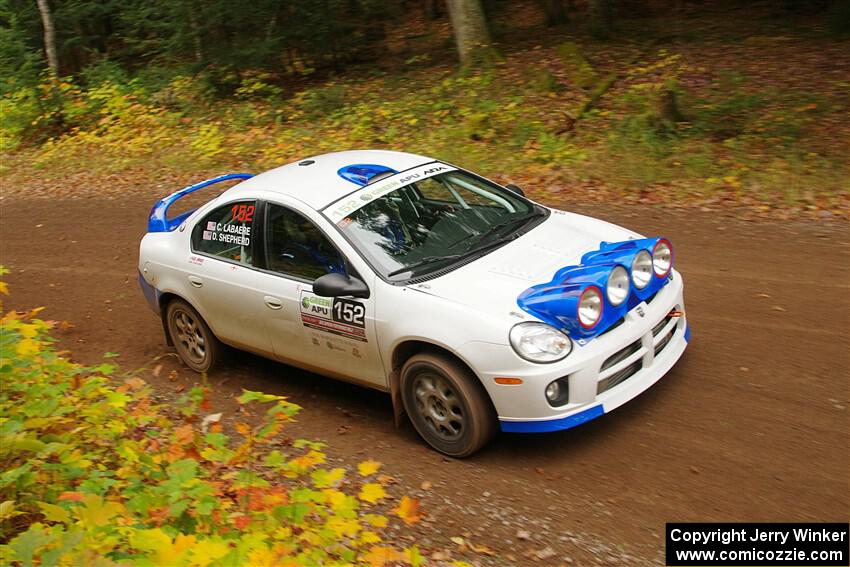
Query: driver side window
227	232
296	247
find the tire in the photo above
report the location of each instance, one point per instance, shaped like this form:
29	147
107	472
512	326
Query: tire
197	346
447	405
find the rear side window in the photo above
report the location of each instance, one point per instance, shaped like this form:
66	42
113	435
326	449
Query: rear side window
227	232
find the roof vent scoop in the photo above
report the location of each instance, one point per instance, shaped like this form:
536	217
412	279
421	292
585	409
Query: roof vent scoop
362	173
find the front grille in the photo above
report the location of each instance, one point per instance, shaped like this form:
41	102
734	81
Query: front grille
665	341
620	377
660	326
621	355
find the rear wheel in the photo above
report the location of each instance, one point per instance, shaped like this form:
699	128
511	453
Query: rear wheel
195	343
447	405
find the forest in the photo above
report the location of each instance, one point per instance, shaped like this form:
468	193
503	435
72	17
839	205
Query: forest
662	101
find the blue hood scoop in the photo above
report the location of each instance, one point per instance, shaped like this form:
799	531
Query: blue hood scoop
556	302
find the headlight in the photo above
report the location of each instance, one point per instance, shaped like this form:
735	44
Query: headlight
617	287
662	257
590	307
642	269
538	342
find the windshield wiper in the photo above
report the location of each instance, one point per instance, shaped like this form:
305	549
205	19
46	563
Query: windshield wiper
511	221
428	260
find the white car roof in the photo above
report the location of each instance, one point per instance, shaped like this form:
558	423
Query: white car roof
317	180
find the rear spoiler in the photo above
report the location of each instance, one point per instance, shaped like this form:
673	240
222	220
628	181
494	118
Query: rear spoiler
159	222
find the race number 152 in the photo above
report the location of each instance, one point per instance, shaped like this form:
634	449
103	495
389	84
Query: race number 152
243	213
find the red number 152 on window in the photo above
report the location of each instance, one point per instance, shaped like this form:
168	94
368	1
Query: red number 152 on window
243	213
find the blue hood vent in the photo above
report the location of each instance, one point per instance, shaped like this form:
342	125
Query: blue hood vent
362	173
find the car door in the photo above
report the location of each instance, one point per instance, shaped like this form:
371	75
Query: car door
331	335
222	280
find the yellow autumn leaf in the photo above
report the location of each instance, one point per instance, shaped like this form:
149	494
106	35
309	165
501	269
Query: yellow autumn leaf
4	288
323	478
408	510
150	540
207	551
28	331
367	468
368	537
342	527
26	347
379	556
7	510
372	492
51	512
96	511
375	520
263	557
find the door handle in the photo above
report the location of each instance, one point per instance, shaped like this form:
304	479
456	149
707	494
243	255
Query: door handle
272	302
196	281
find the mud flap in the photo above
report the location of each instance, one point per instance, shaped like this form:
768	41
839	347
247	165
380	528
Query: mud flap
168	340
395	395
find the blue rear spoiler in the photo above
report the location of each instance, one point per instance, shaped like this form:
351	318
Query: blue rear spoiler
159	222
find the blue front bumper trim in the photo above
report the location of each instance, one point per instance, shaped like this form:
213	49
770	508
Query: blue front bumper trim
688	333
553	424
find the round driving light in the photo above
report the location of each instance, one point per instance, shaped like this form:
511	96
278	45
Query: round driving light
590	307
558	392
662	258
617	288
642	269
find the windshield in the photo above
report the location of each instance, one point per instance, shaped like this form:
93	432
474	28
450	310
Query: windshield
435	221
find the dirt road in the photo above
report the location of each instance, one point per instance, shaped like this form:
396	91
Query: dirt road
751	425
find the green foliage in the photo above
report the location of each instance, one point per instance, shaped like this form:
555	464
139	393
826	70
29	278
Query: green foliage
95	472
579	70
498	122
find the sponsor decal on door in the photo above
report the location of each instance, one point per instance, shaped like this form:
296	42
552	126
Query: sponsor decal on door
344	317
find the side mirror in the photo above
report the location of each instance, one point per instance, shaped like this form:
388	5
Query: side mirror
515	189
336	285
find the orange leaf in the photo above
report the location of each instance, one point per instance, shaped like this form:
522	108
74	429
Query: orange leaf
378	556
74	496
408	510
243	428
242	522
184	434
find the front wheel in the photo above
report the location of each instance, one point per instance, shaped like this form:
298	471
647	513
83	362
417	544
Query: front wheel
447	405
197	346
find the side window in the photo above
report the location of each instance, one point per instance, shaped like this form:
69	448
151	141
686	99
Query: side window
227	232
296	247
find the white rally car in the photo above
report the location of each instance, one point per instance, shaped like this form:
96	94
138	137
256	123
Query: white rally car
475	307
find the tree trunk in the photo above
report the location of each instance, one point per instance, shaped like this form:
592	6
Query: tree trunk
470	29
195	31
601	16
432	9
555	11
49	38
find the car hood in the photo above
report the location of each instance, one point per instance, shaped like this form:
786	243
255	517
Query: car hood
493	283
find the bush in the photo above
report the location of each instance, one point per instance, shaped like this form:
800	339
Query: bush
94	471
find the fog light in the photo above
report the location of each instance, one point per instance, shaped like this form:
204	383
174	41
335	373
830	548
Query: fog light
558	392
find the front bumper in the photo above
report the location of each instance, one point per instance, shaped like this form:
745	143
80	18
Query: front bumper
603	374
